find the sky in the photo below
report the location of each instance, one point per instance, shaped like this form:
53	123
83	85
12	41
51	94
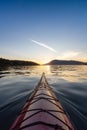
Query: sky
43	30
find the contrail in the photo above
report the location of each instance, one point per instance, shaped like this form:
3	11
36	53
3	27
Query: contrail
44	45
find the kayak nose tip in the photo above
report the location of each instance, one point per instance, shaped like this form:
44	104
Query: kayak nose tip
43	73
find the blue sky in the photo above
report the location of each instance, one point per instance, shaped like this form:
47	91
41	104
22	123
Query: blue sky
32	29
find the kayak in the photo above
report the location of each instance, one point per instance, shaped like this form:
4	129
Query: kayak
42	111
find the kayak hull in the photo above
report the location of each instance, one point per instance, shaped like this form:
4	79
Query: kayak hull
42	111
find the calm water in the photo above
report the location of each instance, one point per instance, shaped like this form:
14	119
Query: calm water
69	84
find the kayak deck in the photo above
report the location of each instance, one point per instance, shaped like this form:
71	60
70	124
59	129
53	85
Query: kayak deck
42	111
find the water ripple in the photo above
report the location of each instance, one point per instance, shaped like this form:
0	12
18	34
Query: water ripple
68	82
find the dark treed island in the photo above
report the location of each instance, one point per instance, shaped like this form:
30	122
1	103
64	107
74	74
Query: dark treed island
66	62
6	62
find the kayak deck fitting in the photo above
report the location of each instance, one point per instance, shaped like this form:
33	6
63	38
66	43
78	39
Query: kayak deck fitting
42	111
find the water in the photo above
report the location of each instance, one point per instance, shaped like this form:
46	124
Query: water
68	82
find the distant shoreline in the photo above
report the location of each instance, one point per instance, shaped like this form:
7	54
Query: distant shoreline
8	63
11	63
66	62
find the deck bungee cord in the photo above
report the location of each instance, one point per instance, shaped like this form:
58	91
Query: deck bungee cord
42	111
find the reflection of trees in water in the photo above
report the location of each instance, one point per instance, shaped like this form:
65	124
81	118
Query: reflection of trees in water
4	68
69	72
54	68
18	70
57	69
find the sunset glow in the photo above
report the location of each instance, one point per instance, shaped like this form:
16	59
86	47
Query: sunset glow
41	31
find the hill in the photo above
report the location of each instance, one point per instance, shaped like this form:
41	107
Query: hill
6	62
66	62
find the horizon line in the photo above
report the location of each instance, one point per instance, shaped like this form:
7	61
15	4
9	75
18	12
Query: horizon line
40	62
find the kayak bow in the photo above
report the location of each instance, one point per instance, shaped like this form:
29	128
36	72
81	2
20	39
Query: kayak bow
42	111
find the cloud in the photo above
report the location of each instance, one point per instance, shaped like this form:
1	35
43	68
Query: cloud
70	54
44	45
